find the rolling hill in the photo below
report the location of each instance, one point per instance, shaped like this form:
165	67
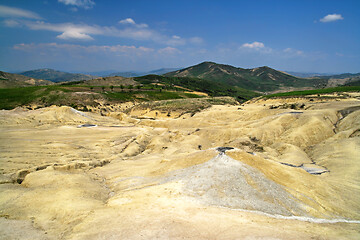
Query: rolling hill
11	80
56	76
209	87
138	74
261	79
105	81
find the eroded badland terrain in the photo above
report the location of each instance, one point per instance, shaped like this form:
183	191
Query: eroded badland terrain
293	172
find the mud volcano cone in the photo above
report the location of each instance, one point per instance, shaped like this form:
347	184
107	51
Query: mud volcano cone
226	182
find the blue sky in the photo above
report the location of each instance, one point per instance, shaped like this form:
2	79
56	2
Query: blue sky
93	35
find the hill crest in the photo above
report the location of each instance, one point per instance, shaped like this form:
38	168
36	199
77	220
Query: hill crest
262	79
11	80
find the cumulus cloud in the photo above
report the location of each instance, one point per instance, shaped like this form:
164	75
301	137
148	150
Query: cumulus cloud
73	34
127	21
17	13
331	18
254	45
175	41
132	23
86	4
68	30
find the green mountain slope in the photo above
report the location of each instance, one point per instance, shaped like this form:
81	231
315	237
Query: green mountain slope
212	88
258	79
56	76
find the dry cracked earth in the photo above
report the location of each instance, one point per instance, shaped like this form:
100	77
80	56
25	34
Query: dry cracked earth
286	174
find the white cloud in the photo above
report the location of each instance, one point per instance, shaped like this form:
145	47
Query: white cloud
84	32
292	51
331	18
169	50
73	34
86	4
254	45
71	31
339	54
17	13
175	41
76	47
11	23
78	31
92	57
127	21
196	40
68	30
132	23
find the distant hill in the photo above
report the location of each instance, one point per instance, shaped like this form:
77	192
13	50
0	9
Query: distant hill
11	80
261	79
151	82
56	76
342	76
306	74
106	81
354	83
211	88
138	74
346	79
324	75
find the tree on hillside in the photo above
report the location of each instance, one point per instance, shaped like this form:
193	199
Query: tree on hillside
112	88
122	87
103	88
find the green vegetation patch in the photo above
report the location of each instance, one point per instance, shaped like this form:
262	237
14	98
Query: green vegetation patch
151	95
213	89
14	97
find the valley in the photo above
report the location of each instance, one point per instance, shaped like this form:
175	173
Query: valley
144	174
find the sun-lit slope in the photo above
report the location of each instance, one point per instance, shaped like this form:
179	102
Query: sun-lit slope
293	143
293	174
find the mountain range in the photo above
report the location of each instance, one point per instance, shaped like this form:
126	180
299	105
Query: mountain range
56	76
262	79
8	80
